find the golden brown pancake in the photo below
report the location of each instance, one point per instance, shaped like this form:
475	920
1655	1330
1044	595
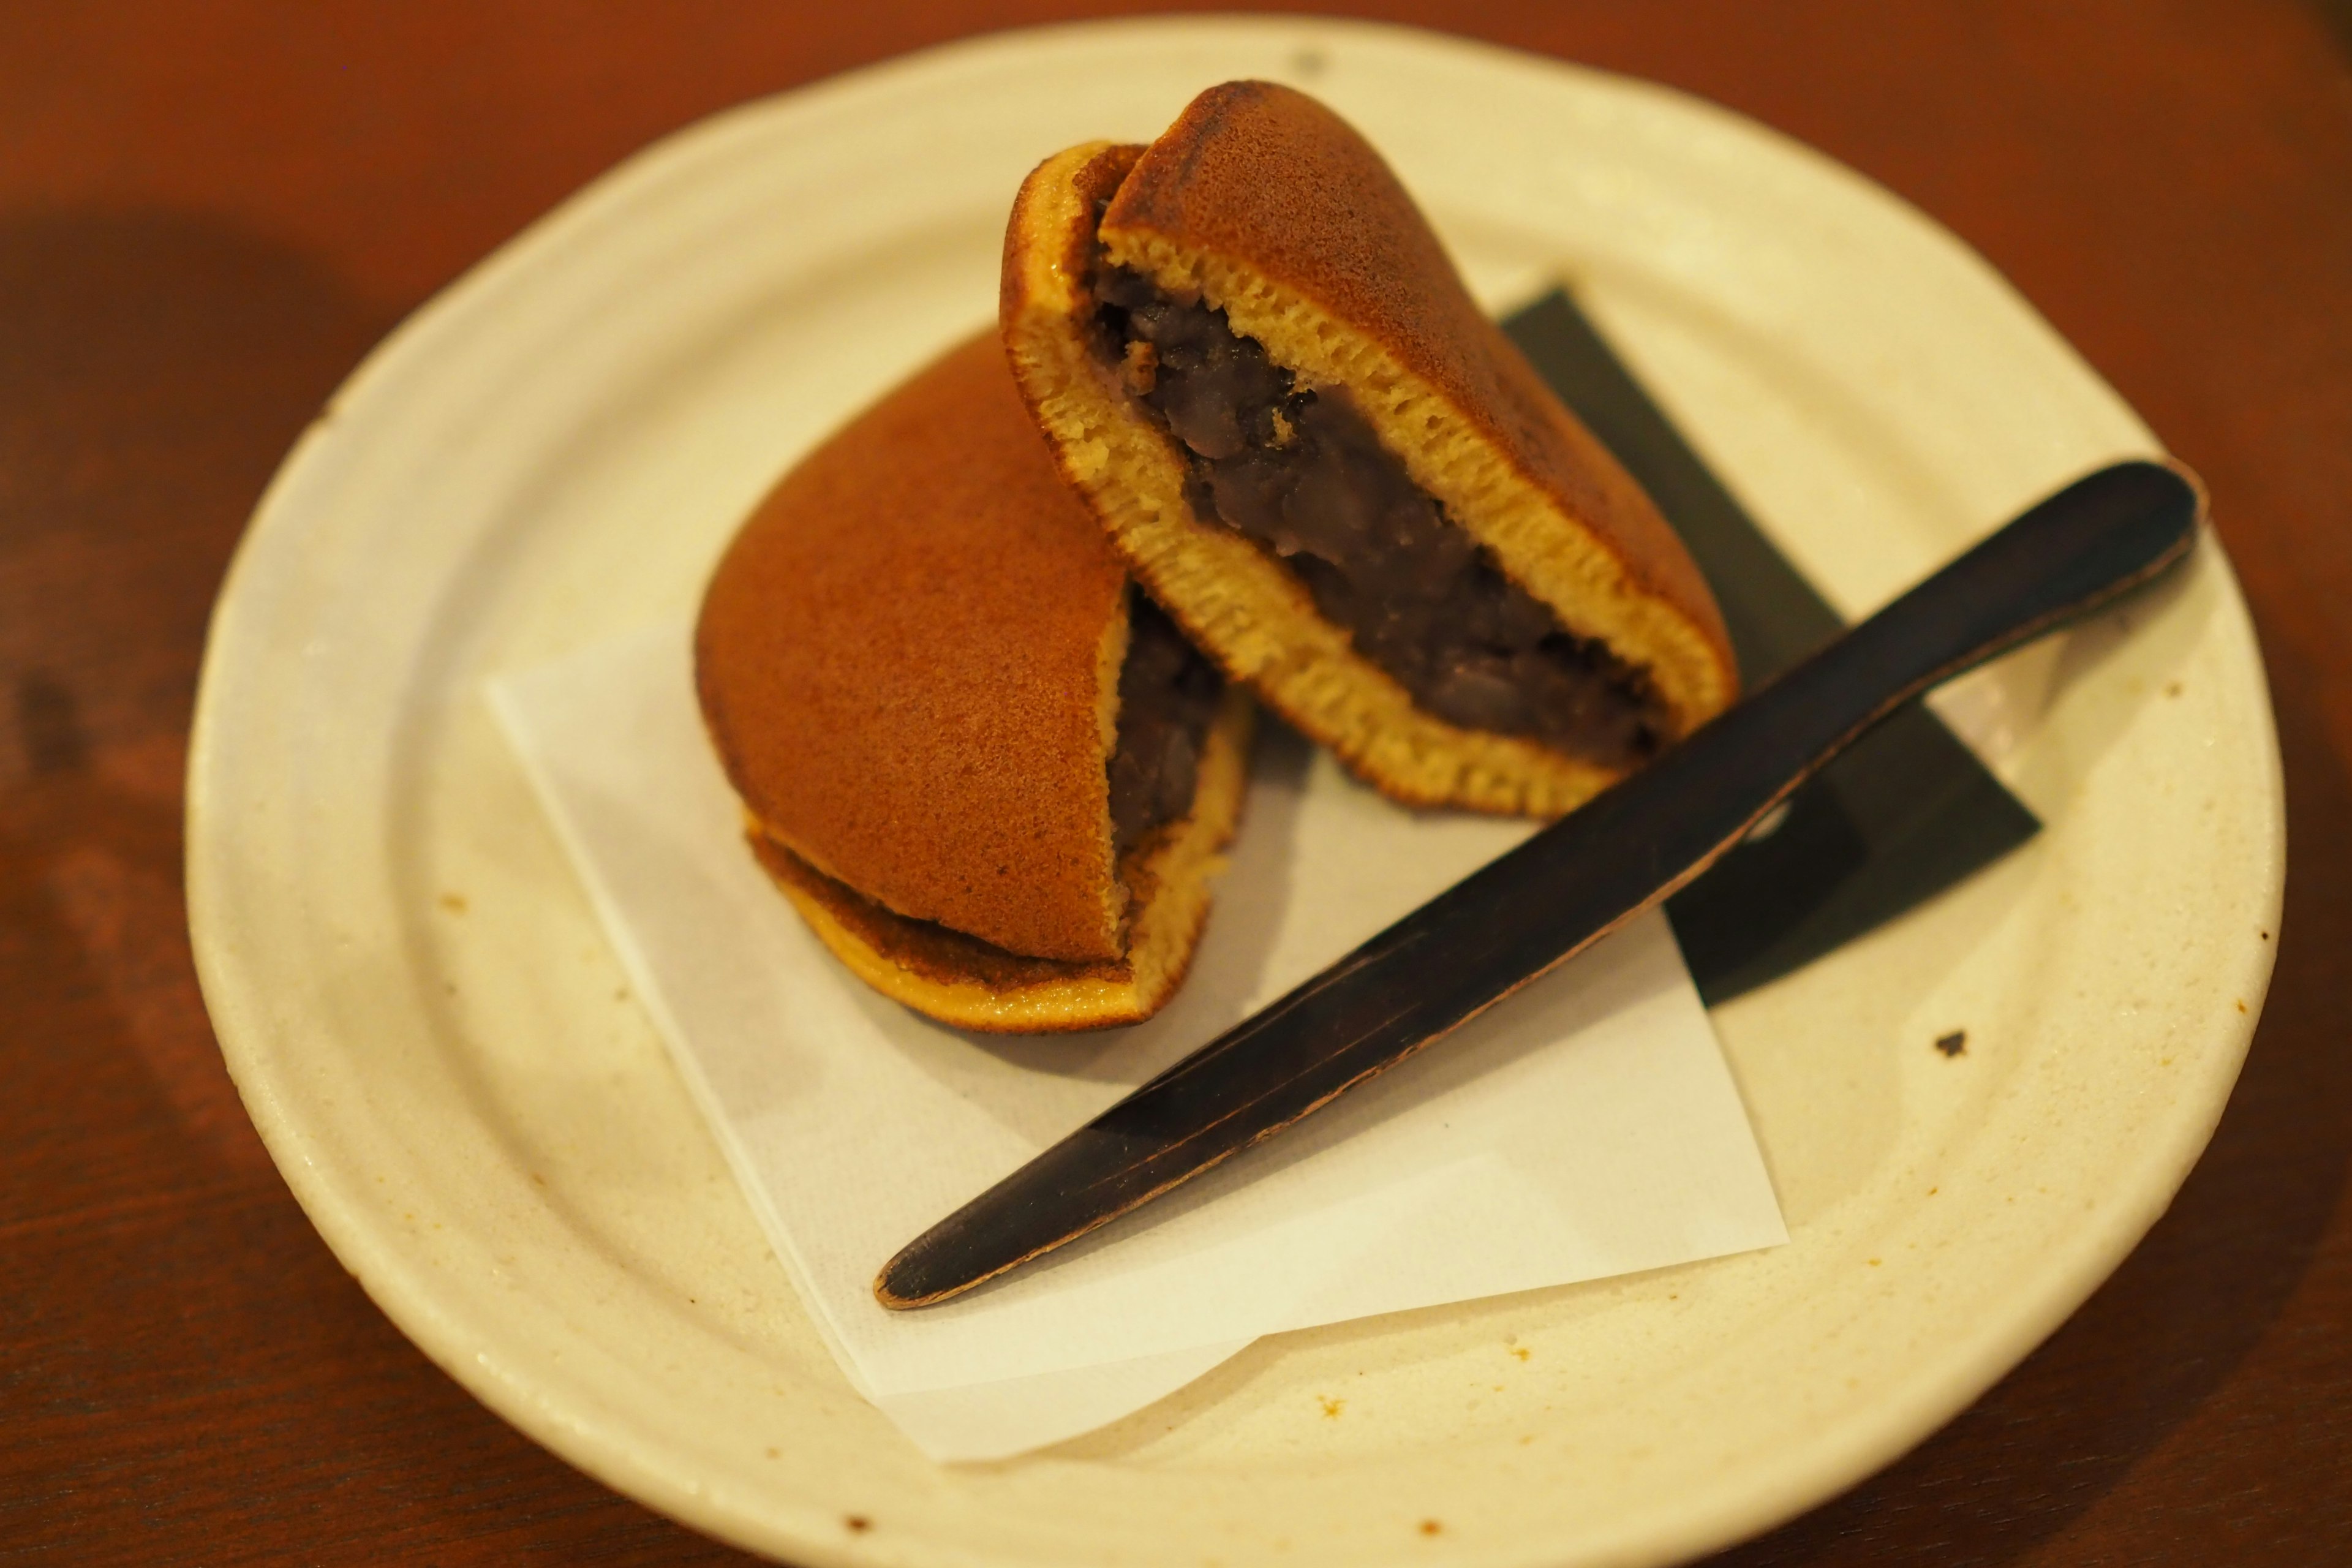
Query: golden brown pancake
909	660
1515	646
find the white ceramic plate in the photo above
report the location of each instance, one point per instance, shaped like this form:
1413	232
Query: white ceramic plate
441	1053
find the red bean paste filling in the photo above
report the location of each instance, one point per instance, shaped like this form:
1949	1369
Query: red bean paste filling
1301	473
1166	696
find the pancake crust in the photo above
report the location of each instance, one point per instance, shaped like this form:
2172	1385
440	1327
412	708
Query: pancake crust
907	658
909	661
1270	207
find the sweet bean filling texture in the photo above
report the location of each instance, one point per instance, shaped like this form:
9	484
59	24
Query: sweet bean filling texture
1299	472
1167	697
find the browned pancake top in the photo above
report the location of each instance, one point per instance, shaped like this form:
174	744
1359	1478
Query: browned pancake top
898	660
1267	177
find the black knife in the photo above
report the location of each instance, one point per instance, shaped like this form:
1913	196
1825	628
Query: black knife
1567	887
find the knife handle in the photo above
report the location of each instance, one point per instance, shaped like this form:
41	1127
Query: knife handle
2069	553
2100	536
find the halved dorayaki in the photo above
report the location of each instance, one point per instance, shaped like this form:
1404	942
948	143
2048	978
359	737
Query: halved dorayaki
987	772
1254	360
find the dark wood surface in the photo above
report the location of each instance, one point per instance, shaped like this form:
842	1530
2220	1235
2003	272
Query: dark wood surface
208	212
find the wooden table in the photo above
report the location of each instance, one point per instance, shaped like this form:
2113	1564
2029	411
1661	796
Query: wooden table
209	212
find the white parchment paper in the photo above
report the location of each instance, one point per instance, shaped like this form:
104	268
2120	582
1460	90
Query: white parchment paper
1587	1127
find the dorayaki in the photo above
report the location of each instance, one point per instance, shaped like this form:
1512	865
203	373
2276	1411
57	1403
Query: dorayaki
1254	359
984	768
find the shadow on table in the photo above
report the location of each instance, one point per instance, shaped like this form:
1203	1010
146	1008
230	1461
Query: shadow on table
189	1372
153	367
2338	15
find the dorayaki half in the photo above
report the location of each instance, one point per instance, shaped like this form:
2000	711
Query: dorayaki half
986	771
1254	360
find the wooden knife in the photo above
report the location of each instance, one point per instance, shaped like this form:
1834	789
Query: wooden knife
1567	887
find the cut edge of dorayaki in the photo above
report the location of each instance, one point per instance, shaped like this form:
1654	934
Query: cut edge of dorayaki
1237	603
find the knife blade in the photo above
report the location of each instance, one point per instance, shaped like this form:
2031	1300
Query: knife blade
1567	887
